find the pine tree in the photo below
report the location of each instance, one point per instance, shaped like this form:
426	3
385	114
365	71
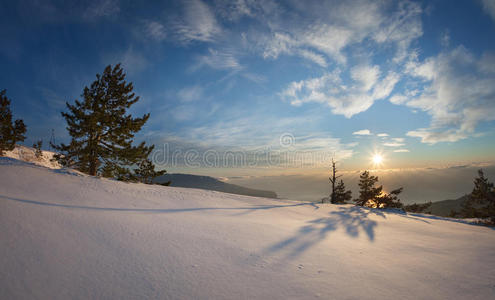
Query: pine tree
10	133
37	149
373	196
368	192
340	195
481	201
390	200
102	132
145	173
333	180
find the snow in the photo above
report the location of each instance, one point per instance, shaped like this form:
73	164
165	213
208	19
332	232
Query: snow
64	235
28	154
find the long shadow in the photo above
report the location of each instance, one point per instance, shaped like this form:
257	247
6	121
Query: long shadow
353	220
420	217
153	210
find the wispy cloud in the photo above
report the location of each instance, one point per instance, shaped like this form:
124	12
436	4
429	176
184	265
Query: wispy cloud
133	61
198	23
103	8
382	135
401	150
456	100
217	59
362	132
190	93
393	144
155	30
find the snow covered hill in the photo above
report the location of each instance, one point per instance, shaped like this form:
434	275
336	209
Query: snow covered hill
64	235
28	154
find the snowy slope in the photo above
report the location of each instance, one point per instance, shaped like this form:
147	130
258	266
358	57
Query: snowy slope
68	236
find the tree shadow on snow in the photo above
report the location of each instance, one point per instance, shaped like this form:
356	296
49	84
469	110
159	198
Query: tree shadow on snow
354	220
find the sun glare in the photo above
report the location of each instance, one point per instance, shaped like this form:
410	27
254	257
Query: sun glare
377	159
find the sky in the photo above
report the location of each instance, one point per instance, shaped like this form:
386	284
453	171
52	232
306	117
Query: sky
257	89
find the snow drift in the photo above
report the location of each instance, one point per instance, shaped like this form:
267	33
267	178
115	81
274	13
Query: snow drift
64	235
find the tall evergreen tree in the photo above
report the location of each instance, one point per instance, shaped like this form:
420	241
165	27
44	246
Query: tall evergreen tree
367	190
102	132
333	181
10	132
340	194
481	201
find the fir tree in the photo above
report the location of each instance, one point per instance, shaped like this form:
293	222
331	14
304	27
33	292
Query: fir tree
10	133
145	173
37	149
340	195
390	200
102	132
481	201
367	190
333	180
373	196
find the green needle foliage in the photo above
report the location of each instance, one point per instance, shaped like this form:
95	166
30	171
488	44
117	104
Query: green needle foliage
10	132
146	172
102	131
481	202
373	196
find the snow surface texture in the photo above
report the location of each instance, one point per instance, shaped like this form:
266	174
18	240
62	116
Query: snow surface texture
64	235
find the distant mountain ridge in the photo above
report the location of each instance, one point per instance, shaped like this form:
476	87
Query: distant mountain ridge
210	183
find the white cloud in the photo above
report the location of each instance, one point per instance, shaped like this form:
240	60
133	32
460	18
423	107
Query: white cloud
366	75
314	57
328	39
401	150
216	59
398	140
198	23
191	93
343	99
459	94
489	7
382	135
393	144
327	28
155	30
398	99
362	132
402	28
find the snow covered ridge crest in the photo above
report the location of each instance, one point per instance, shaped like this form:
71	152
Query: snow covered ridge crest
27	154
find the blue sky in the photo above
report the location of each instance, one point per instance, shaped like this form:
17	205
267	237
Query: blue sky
414	81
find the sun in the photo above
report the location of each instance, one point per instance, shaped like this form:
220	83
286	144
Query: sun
377	159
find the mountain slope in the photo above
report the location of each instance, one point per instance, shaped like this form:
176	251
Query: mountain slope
443	208
65	235
210	183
